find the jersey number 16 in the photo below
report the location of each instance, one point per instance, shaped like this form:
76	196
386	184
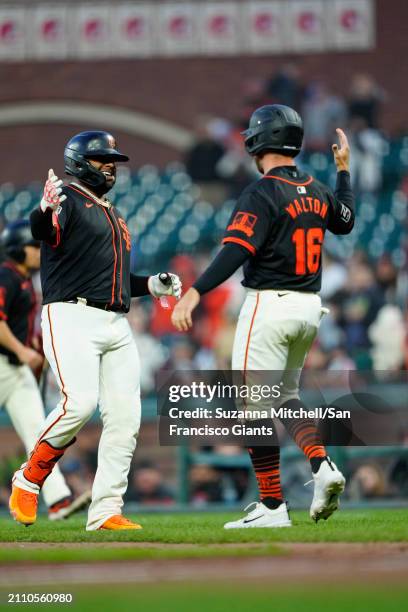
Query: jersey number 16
308	244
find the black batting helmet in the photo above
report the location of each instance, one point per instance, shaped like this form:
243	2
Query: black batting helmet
274	128
90	145
15	237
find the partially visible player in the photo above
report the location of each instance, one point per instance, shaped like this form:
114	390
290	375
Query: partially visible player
277	231
19	393
87	287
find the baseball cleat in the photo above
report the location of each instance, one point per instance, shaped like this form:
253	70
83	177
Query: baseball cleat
119	522
68	506
23	506
261	516
329	483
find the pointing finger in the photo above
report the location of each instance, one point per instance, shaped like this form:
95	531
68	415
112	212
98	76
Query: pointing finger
51	173
342	138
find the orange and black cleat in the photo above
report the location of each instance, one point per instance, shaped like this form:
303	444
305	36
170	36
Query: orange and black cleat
23	506
119	522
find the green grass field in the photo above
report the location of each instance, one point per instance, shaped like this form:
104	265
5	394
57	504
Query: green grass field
201	535
202	532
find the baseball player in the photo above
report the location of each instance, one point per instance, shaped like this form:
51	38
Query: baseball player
19	393
277	231
87	287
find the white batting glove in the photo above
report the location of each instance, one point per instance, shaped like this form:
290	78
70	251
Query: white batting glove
52	197
164	283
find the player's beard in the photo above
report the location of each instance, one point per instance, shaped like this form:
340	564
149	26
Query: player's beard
111	180
101	190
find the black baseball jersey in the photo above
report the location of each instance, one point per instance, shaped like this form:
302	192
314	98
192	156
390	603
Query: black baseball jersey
17	305
281	220
85	251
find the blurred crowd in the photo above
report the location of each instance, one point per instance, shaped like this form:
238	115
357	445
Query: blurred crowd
366	327
217	160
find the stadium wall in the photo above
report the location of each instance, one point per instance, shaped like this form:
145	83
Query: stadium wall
179	90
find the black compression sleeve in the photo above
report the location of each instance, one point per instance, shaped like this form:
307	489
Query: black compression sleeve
138	285
344	192
229	259
41	225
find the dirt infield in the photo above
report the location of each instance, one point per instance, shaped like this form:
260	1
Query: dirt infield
321	562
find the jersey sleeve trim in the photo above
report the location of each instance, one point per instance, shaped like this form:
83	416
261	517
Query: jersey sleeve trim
243	243
279	178
3	316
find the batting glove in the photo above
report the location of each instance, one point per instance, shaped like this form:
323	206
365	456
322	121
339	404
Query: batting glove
165	283
52	197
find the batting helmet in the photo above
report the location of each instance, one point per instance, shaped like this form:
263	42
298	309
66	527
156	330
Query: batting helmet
15	237
90	145
274	128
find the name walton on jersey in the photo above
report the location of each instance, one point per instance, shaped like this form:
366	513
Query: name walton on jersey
307	205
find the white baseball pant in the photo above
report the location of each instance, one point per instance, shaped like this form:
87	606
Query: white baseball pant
275	331
20	396
95	361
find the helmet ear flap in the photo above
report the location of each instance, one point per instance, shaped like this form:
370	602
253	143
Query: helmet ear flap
78	166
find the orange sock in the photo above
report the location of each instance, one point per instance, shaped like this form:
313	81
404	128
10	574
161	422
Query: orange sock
304	432
265	461
42	460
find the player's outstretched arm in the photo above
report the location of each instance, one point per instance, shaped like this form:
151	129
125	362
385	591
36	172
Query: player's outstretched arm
229	259
342	217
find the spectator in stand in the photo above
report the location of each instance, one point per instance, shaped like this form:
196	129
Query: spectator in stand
339	360
368	147
387	277
147	486
334	277
182	354
322	112
206	486
235	167
367	482
202	158
387	335
358	303
365	100
285	87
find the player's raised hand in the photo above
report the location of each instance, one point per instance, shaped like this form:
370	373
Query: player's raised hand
52	197
181	315
342	153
